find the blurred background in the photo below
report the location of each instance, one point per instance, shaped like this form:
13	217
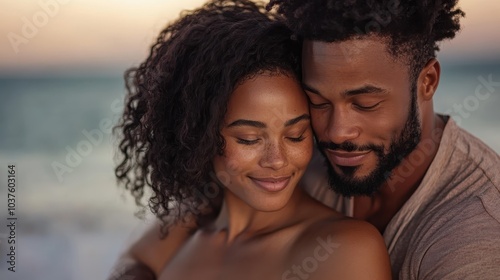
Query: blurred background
61	89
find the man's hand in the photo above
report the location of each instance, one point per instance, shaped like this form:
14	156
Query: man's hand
130	269
149	253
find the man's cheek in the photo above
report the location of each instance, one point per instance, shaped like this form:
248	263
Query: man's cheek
319	127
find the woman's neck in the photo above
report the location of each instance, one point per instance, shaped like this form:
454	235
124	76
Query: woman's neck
239	221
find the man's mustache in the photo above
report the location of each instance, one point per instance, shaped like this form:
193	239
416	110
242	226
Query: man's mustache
349	147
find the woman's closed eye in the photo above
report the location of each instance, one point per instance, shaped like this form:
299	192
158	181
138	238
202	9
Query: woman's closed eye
297	139
298	135
247	141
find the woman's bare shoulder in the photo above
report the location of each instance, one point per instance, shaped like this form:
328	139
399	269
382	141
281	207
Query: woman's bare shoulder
340	248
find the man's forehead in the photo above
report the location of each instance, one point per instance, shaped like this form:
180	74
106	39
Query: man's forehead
323	48
346	50
353	62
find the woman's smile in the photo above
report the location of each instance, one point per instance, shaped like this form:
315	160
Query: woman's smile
271	184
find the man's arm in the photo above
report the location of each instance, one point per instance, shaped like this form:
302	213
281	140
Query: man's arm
127	268
470	255
148	255
465	247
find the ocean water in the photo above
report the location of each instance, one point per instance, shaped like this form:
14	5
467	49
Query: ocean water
71	224
73	221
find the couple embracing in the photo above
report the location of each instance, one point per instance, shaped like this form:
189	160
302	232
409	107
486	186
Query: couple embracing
301	143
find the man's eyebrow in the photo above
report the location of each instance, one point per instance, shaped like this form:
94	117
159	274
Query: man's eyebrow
257	124
368	89
364	90
297	119
309	88
242	122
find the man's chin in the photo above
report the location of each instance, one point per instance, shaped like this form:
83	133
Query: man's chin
352	173
348	182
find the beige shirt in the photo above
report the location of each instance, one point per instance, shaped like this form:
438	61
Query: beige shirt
450	226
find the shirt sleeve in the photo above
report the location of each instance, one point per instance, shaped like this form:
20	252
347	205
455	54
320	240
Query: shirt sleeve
468	248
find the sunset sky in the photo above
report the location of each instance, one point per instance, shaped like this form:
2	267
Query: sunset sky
108	36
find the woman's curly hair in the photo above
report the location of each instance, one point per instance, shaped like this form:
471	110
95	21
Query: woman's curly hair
414	27
169	132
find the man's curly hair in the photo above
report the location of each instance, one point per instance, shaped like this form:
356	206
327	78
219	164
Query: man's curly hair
169	132
413	27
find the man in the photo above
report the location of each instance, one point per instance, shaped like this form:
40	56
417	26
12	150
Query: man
432	189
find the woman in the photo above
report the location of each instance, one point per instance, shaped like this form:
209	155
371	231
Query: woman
217	126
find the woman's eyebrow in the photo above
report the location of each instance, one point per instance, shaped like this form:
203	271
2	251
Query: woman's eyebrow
257	124
242	122
297	119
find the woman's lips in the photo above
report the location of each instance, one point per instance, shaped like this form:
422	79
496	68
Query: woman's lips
347	158
272	184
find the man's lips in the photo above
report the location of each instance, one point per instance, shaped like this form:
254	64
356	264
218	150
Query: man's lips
347	158
272	184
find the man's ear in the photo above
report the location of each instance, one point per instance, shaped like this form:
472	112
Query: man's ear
428	80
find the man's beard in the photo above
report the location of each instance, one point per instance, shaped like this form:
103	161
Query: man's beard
347	185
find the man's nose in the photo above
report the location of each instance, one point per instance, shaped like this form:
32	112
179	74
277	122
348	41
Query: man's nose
341	126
